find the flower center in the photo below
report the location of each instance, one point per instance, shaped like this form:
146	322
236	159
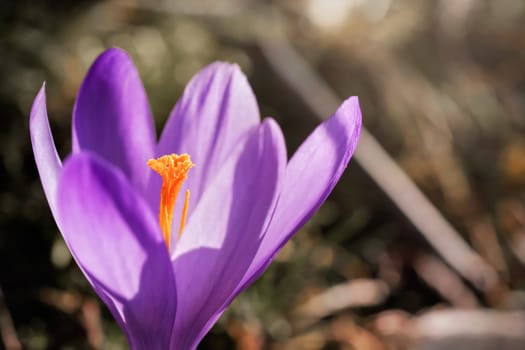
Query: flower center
173	169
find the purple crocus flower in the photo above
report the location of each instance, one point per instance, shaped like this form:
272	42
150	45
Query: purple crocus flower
166	285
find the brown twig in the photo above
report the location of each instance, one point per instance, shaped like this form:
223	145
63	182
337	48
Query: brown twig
469	329
91	320
361	292
452	329
7	329
86	308
446	282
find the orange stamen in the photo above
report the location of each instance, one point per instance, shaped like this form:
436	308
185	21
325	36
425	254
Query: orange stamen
184	212
173	169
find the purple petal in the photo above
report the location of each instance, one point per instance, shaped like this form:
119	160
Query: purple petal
44	150
310	176
216	109
112	116
224	232
117	243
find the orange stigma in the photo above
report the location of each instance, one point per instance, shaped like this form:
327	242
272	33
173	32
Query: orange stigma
173	169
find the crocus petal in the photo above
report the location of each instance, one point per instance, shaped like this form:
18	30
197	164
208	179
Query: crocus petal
215	110
116	241
224	232
44	150
112	116
310	176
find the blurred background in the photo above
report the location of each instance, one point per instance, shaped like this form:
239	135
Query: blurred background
422	243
